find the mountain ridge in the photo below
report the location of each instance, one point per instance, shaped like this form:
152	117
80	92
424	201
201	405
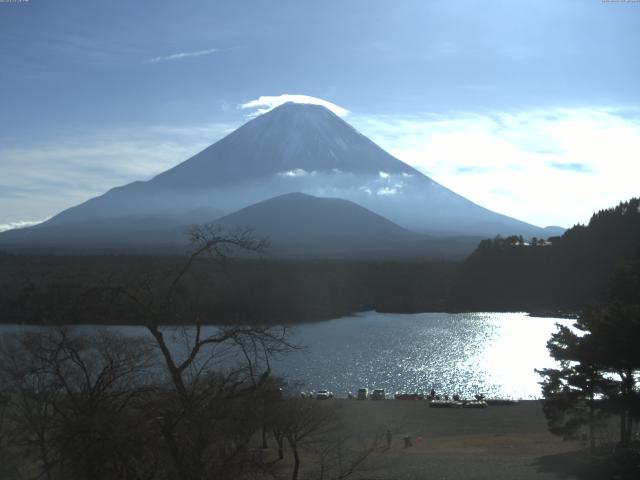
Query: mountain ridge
298	148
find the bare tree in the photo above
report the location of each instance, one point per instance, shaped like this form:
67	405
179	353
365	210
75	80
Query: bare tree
341	456
68	396
188	402
213	370
5	435
316	431
305	423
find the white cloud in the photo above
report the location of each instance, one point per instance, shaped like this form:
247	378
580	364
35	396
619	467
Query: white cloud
386	191
554	166
298	172
179	56
383	174
265	103
20	224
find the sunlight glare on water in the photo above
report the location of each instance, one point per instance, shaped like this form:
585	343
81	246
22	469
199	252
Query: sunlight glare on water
490	353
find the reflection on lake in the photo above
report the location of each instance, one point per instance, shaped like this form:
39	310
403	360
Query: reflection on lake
490	353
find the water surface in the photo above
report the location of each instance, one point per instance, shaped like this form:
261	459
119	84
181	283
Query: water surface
490	353
470	353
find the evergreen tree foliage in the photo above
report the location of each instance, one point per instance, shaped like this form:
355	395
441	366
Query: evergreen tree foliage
562	273
599	363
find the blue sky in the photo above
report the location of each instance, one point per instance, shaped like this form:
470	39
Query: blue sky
531	108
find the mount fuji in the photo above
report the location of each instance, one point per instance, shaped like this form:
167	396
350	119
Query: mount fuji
292	148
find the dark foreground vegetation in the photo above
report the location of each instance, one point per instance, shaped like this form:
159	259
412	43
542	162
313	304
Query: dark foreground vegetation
598	374
110	407
600	365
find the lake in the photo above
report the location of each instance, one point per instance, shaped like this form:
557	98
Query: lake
467	353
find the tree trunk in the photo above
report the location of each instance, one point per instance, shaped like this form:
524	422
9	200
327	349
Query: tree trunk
174	372
625	414
296	459
629	403
592	437
296	464
280	441
623	424
174	450
45	458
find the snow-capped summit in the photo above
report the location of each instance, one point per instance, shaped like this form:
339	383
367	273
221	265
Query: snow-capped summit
291	137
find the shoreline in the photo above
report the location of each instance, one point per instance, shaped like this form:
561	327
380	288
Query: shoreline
559	314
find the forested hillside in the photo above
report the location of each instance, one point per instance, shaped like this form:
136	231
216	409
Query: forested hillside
563	273
80	289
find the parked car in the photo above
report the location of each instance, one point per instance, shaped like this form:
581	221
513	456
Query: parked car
324	395
408	396
378	394
475	404
363	394
445	404
500	401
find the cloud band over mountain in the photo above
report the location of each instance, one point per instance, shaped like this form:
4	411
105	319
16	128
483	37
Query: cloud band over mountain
264	104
